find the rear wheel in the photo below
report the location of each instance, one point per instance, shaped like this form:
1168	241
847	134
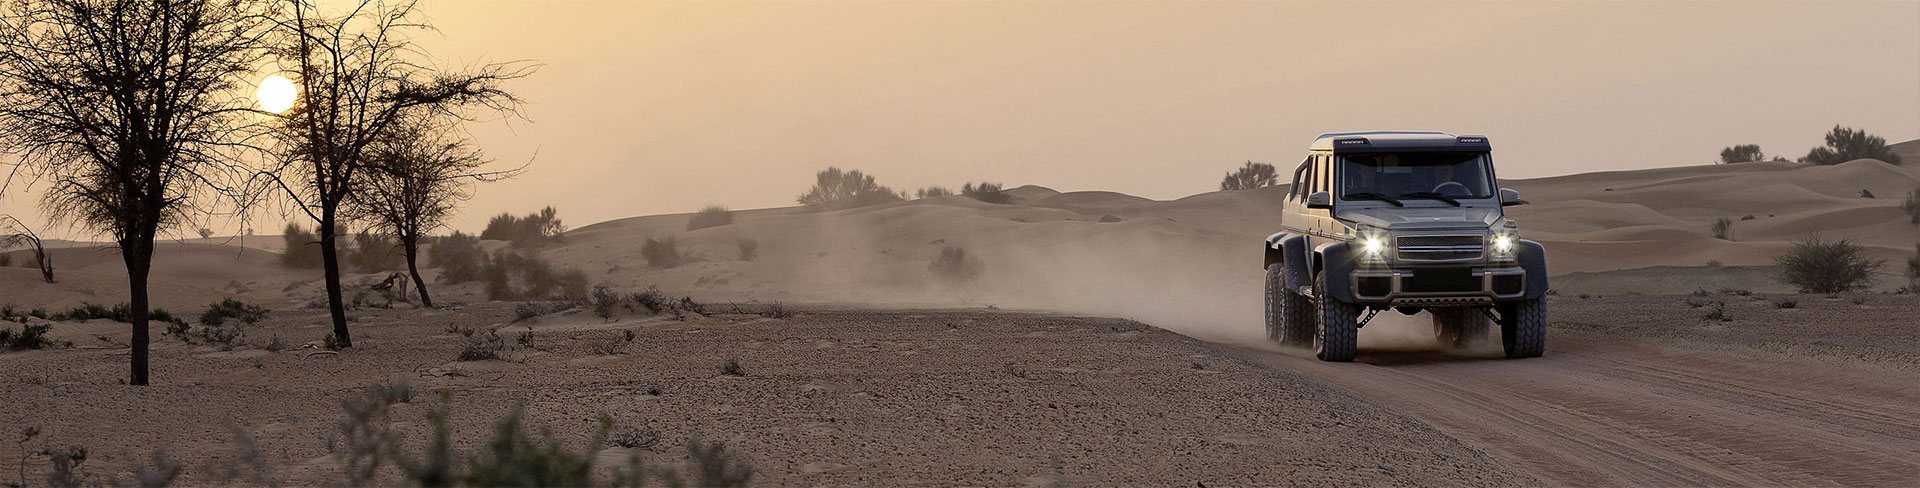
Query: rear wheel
1523	328
1290	315
1337	337
1459	326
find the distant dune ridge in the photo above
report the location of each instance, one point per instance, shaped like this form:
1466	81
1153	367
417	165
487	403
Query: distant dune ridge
1190	264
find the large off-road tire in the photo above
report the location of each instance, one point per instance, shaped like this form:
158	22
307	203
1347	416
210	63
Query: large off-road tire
1337	337
1459	326
1276	293
1523	328
1290	315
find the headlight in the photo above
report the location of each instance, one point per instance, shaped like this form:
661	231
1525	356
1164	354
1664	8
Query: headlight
1503	244
1373	247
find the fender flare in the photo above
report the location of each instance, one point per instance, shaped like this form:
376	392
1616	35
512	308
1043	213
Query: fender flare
1533	258
1284	248
1336	263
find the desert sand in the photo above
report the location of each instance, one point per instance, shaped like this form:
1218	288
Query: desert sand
892	374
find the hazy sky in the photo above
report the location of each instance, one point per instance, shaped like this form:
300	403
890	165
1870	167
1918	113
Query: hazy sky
646	108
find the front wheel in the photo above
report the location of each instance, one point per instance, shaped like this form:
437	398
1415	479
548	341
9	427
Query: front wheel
1337	338
1523	328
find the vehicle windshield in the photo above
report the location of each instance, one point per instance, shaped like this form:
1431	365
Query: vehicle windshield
1414	175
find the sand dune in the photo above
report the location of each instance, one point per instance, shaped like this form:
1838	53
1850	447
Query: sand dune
1190	262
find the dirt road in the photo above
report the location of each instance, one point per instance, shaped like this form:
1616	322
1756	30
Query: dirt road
1618	406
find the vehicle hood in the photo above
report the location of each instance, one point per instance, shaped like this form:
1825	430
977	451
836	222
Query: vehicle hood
1395	218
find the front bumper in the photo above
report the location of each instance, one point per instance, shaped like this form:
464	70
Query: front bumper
1438	286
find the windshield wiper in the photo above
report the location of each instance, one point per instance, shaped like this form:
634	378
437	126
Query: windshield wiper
1373	196
1432	195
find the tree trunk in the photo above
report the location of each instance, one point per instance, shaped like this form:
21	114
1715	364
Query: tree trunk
412	247
331	261
137	251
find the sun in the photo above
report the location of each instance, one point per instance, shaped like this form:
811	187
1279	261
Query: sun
276	94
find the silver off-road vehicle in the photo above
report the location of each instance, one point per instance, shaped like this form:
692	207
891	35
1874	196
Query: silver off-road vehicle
1409	221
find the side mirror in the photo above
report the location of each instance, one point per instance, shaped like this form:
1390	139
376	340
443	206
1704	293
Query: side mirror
1320	200
1509	198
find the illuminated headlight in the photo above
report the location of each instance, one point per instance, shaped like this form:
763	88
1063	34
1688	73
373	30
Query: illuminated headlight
1503	245
1373	247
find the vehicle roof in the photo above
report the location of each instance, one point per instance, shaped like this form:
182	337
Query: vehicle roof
1393	141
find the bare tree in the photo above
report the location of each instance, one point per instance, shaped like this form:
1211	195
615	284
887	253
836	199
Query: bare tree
358	79
420	173
131	111
26	237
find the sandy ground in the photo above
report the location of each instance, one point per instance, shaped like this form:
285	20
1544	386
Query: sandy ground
830	397
1641	391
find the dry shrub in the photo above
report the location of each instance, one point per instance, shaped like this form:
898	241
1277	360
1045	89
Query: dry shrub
1723	229
932	192
459	258
954	266
538	279
534	230
1816	265
662	253
711	216
749	248
836	190
986	192
302	247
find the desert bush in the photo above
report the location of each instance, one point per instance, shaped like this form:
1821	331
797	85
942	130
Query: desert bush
986	192
1723	229
1912	206
1713	263
605	301
538	279
663	253
1744	153
715	467
1786	303
1846	144
302	247
29	337
459	258
1913	267
776	310
1697	301
219	312
748	248
1816	265
652	299
732	368
933	191
711	216
374	253
612	345
1110	219
1252	175
684	306
536	229
483	347
635	437
118	313
1717	312
836	190
953	265
1865	193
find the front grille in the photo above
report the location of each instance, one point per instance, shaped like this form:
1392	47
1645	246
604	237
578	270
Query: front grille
1440	247
1440	280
